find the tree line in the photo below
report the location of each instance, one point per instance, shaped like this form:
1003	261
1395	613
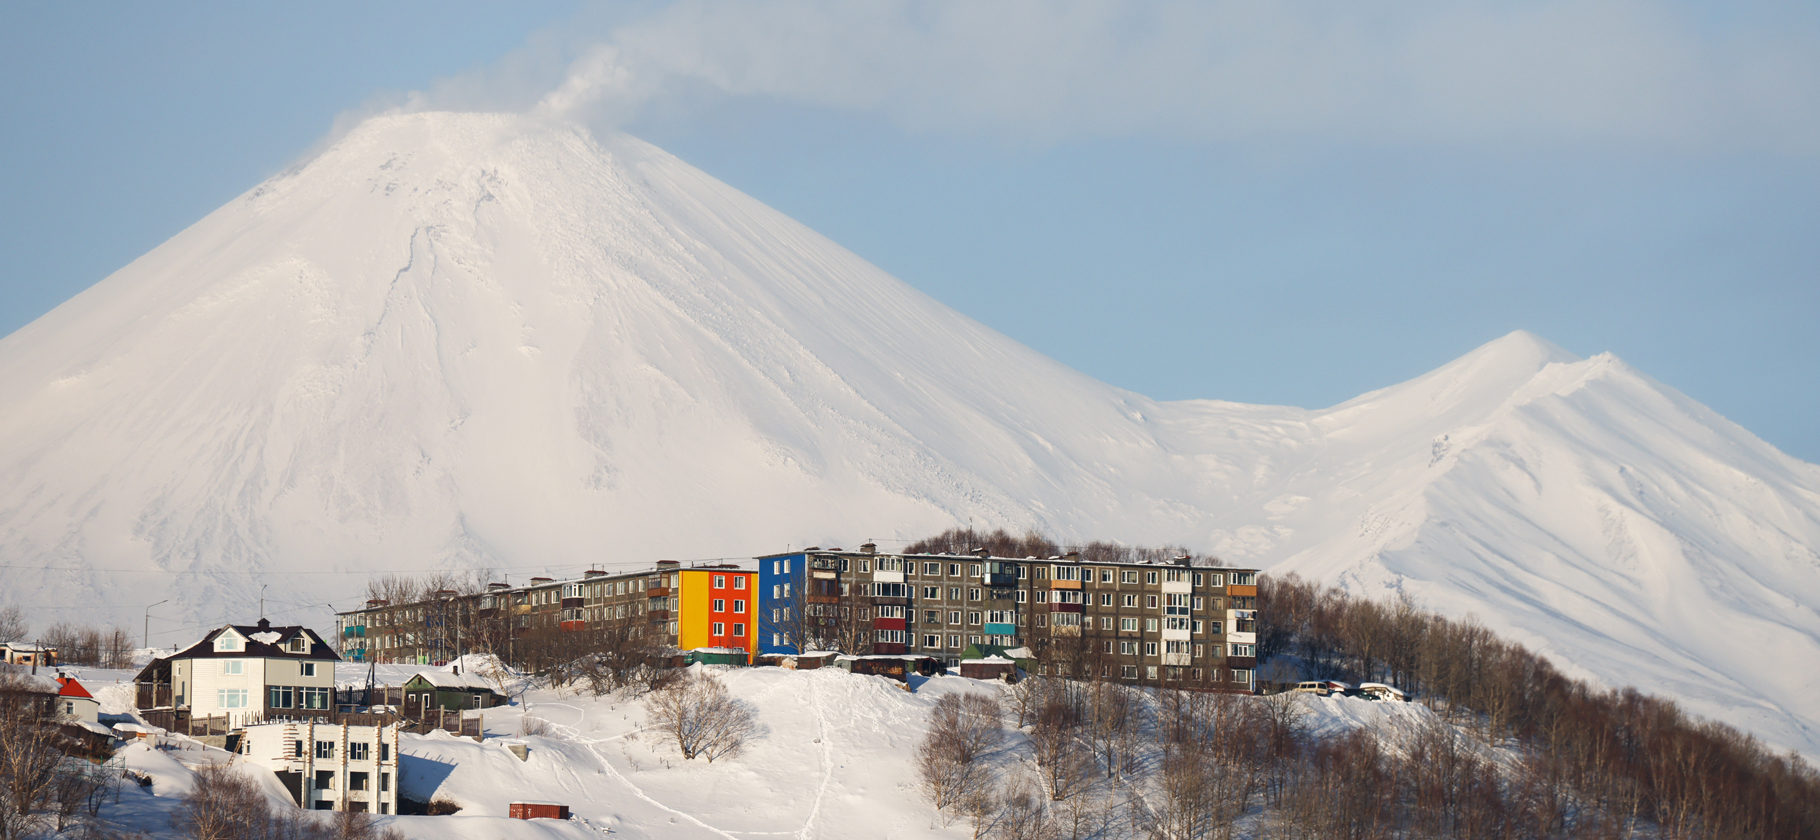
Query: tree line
1002	543
1102	761
1596	761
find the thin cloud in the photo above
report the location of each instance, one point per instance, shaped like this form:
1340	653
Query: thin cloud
1619	73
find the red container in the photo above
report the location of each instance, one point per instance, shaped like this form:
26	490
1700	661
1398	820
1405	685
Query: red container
539	810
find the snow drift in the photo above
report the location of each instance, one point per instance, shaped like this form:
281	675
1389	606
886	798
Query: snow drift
463	340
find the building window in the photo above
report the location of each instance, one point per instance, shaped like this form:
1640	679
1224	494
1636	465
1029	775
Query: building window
1150	648
385	754
1128	672
1243	579
314	698
325	749
232	667
720	605
932	592
739	629
954	642
308	669
932	569
1105	622
358	751
891	637
973	594
973	640
1199	651
1128	600
720	628
1150	601
1128	648
973	570
973	618
1176	647
720	581
954	617
1241	676
1128	577
777	590
231	698
1105	576
739	606
739	581
1128	624
1150	672
1242	650
280	697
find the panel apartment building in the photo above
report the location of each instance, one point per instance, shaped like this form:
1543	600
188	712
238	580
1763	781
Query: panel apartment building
1191	627
544	621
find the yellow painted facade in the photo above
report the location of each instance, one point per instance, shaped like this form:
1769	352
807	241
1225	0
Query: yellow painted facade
696	595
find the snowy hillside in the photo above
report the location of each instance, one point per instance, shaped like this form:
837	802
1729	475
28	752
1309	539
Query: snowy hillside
833	758
462	340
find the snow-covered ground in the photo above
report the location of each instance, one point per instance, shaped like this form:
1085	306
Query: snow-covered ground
484	340
832	759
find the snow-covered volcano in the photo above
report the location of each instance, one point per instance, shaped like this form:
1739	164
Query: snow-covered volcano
461	340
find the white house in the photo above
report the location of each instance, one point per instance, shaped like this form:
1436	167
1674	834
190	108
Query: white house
247	673
74	703
330	767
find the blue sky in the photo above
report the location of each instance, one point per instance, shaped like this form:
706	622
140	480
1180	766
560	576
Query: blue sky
1284	203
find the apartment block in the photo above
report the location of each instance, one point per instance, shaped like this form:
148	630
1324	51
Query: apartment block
1141	623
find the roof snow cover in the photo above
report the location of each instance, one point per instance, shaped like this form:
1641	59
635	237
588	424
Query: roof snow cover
494	341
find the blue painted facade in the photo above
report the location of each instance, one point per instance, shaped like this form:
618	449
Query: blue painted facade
775	572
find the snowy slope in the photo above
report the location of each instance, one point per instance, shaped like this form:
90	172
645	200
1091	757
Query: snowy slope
833	758
483	340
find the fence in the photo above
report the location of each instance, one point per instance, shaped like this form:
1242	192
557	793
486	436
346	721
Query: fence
181	722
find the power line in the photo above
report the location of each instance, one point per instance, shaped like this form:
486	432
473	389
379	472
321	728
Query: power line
423	571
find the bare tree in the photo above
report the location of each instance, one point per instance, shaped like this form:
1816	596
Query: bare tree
962	730
13	625
704	720
30	752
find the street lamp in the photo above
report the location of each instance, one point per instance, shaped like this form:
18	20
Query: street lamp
146	638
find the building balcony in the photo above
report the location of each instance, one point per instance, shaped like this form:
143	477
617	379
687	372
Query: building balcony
657	592
1067	608
891	602
655	616
1001	580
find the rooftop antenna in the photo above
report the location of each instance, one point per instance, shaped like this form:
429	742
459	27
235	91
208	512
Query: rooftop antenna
262	599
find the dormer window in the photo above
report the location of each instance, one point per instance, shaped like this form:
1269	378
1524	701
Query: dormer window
228	641
300	644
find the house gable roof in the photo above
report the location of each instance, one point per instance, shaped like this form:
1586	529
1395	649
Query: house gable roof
263	641
71	688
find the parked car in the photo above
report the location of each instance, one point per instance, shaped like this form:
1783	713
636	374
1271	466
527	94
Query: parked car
1323	688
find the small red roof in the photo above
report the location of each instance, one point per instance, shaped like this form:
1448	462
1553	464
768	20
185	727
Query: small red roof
71	688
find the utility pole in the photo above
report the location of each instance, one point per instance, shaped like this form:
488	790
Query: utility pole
262	599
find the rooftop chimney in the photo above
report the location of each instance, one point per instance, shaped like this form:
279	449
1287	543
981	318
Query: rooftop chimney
981	552
868	548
